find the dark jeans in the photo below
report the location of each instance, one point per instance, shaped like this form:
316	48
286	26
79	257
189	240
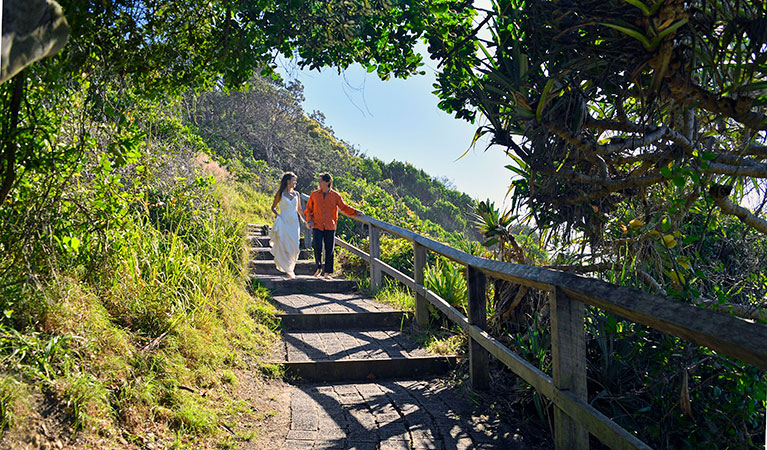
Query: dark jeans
328	238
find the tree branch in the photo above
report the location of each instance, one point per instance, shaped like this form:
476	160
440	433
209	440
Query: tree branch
745	311
756	170
650	281
9	142
611	125
651	137
611	184
756	150
634	142
720	193
738	109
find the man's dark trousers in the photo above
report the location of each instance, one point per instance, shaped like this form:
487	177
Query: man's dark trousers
328	239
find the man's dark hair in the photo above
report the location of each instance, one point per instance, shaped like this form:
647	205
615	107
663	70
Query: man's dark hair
327	178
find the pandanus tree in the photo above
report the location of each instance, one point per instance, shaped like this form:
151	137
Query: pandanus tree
624	120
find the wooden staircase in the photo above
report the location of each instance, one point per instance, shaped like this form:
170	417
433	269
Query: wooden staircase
332	332
359	380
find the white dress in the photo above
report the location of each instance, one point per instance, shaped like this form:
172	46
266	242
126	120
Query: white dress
285	235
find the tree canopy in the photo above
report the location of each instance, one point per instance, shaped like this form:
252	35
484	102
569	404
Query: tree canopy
603	105
137	50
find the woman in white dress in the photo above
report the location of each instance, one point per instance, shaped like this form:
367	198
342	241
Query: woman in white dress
285	232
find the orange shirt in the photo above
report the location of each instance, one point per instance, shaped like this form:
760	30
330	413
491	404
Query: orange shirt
323	209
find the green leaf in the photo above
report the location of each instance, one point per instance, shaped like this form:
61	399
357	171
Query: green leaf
690	239
542	101
656	40
640	5
750	87
666	172
665	224
634	32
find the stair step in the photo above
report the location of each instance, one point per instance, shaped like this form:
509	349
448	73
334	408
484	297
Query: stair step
305	284
255	240
370	369
265	253
346	321
327	303
267	267
261	230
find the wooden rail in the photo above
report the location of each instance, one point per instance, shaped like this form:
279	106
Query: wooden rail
574	417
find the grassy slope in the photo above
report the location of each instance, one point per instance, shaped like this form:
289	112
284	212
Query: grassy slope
151	355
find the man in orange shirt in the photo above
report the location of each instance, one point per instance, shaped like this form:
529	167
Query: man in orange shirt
322	215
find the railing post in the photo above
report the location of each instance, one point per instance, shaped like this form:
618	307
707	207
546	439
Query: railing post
375	252
568	352
421	304
479	358
307	237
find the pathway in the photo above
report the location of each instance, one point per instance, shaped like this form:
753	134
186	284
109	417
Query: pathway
362	382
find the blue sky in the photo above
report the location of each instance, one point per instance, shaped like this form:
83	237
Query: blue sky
399	119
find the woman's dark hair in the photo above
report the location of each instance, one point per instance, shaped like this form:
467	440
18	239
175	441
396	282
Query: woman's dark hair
324	176
284	184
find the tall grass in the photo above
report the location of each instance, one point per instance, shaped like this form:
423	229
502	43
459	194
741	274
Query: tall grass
167	316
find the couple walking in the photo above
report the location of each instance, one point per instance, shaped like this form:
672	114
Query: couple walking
320	214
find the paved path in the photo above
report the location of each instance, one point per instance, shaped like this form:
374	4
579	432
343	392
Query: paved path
368	412
330	345
397	414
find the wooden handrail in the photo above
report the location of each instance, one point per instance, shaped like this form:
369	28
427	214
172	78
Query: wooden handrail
732	336
596	423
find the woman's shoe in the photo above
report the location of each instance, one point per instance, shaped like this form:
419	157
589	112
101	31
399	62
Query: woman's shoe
318	273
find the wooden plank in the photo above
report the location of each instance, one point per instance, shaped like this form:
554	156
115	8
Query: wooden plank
479	359
352	249
345	321
369	369
446	308
438	302
375	253
604	429
568	354
421	304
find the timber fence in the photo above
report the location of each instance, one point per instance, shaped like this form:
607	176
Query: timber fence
574	417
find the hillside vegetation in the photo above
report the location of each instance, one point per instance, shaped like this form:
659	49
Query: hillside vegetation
127	307
265	130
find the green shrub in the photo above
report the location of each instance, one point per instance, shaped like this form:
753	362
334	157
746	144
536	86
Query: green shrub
448	281
395	294
12	396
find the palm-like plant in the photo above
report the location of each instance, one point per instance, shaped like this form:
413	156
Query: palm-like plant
448	282
497	228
